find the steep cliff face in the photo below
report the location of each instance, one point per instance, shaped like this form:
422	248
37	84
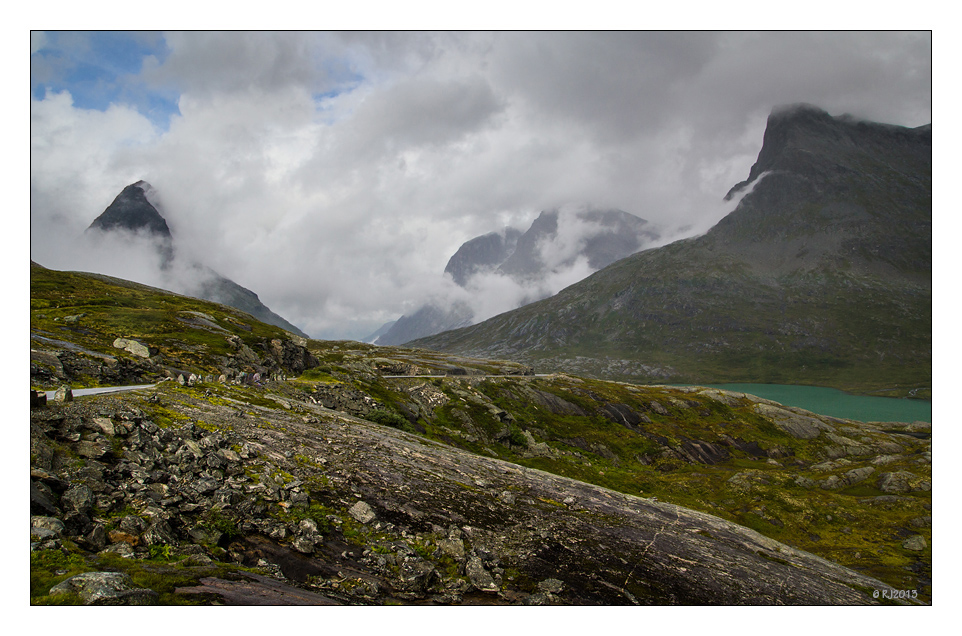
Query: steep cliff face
822	274
838	193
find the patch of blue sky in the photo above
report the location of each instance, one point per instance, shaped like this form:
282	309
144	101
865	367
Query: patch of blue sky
344	81
341	78
100	68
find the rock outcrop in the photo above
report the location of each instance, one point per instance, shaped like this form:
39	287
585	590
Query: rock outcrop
334	509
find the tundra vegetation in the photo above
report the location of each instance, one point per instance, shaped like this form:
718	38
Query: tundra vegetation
321	472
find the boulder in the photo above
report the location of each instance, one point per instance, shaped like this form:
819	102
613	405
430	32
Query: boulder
77	499
896	483
104	425
90	449
121	549
551	586
48	523
480	578
105	588
415	577
159	533
63	394
454	548
97	538
37	399
134	347
916	543
41	499
857	475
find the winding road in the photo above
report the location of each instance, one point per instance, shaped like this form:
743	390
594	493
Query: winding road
103	389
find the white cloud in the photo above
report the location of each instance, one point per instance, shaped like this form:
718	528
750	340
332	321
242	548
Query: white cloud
335	174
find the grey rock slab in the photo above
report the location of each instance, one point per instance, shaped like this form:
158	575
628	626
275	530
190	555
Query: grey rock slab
258	590
688	557
795	424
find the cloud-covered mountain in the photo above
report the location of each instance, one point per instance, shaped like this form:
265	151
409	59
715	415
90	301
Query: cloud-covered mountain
378	154
502	270
822	274
482	253
135	213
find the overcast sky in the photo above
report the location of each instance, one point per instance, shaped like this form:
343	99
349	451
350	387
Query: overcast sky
334	174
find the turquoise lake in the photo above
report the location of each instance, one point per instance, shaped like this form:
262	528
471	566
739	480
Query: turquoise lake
838	403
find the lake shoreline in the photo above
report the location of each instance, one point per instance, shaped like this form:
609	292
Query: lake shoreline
836	403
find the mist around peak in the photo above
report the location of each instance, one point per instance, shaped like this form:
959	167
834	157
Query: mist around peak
500	271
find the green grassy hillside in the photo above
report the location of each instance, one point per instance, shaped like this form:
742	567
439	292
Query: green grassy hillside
858	494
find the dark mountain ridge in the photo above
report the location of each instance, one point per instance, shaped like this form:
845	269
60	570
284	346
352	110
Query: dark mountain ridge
133	211
618	235
821	275
482	253
601	236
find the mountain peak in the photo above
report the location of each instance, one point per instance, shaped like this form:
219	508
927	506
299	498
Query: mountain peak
132	210
135	210
797	134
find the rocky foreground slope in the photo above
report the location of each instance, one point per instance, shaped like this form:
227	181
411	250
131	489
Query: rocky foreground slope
263	470
336	509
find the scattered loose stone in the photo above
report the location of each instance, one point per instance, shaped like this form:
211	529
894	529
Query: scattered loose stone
915	542
480	578
362	512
